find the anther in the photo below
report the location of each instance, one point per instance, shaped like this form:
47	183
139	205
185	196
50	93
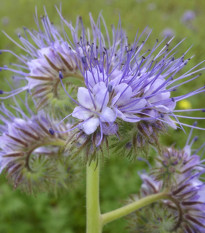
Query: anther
1	92
60	75
51	131
83	59
196	138
195	123
161	115
109	88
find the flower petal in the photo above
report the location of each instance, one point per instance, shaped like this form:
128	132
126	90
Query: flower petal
127	117
91	125
84	98
81	113
107	115
123	94
101	95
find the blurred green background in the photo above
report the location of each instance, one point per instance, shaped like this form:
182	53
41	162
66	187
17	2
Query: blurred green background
65	213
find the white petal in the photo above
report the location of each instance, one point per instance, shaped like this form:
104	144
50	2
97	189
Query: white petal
81	113
101	95
107	115
84	98
154	86
99	87
123	94
91	78
141	103
162	108
159	97
170	122
91	125
127	117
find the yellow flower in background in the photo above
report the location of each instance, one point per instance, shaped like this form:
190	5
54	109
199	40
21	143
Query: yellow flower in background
184	104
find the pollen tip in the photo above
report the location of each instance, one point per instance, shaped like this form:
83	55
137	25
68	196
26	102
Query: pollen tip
109	88
195	123
60	75
83	59
1	92
196	138
203	110
51	131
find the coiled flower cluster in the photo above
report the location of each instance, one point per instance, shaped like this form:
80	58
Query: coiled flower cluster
179	173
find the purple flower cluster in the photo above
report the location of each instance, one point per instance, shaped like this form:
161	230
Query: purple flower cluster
118	81
24	139
179	174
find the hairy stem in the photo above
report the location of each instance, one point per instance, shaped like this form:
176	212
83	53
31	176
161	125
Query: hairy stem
94	221
127	209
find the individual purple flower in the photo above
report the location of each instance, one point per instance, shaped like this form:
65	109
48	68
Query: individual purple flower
93	108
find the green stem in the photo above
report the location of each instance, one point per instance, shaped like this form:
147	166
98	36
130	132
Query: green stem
127	209
94	221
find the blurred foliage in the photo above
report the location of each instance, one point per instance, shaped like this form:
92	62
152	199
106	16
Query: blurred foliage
65	212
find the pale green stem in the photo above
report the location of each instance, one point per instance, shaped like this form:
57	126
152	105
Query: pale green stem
94	221
127	209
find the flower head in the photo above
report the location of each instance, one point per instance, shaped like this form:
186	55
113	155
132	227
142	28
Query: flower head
133	88
178	173
29	152
47	52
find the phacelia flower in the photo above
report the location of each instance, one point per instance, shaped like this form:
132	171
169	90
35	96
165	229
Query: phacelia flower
29	152
135	89
179	174
93	108
47	52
